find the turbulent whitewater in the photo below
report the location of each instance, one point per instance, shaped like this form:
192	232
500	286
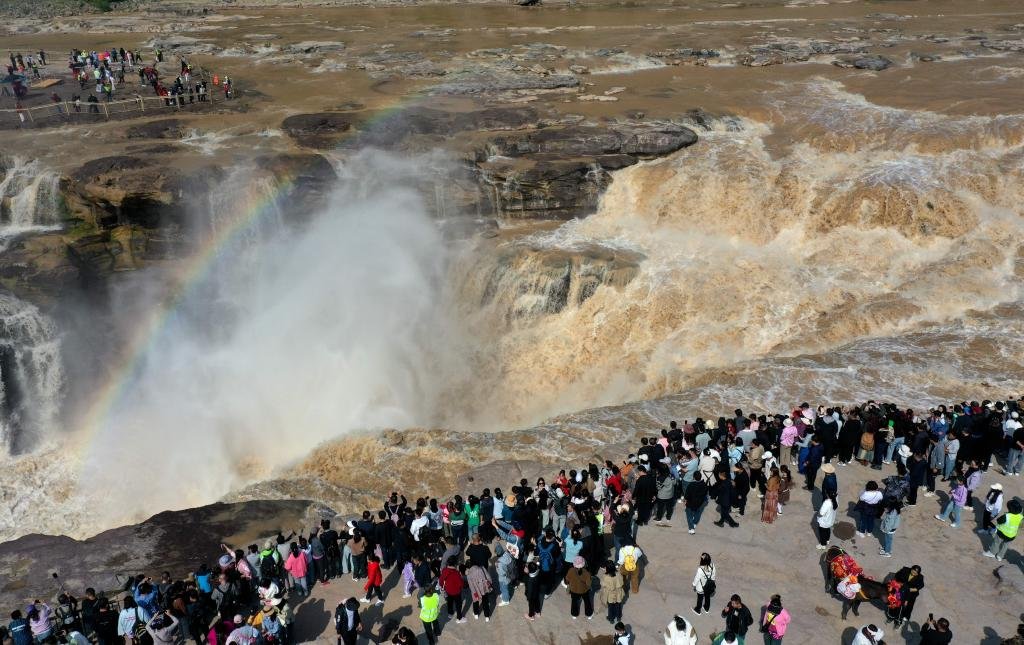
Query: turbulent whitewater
826	247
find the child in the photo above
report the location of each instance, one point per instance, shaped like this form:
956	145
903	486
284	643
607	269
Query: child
374	579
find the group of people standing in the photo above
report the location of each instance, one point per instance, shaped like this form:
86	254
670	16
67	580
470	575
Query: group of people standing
578	534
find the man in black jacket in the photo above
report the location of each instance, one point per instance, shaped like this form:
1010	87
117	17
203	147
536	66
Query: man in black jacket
644	492
724	492
737	616
696	495
347	621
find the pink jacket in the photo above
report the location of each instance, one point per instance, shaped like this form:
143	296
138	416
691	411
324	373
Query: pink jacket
778	627
297	565
789	435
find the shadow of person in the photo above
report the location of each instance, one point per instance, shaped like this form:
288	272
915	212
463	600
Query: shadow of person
311	620
389	622
991	637
848	635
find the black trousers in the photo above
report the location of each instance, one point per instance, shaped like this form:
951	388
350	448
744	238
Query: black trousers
586	599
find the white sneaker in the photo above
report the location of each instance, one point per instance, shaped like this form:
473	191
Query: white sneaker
691	531
954	526
379	603
476	616
929	494
590	618
461	621
885	555
859	534
487	619
504	603
574	617
366	600
940	518
988	554
407	595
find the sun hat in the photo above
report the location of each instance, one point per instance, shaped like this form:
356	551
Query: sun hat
709	425
997	486
828	468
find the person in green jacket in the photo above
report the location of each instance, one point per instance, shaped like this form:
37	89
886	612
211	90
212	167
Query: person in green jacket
1007	528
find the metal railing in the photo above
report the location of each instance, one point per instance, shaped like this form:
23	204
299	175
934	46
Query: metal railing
66	112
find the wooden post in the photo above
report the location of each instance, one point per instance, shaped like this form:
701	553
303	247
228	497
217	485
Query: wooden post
142	104
105	112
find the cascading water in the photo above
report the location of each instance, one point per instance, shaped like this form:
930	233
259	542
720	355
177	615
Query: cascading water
31	375
29	199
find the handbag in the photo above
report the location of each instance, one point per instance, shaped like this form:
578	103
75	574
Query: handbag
766	626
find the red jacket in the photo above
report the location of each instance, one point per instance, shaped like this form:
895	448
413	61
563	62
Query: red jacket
451	581
374	578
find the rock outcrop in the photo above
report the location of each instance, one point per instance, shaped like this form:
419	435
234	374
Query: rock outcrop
168	541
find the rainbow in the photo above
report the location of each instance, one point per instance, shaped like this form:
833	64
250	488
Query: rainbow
193	274
189	278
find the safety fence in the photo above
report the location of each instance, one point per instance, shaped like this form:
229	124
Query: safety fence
87	112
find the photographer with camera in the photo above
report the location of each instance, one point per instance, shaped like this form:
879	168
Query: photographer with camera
936	632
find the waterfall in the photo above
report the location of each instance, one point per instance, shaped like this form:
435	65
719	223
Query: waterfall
31	375
29	199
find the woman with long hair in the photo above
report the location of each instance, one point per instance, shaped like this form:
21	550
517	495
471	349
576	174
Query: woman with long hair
770	503
704	583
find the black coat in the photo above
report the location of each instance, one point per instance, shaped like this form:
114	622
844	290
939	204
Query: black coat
645	490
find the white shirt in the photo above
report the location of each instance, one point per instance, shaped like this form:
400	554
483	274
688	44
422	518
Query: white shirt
861	639
1010	426
417	526
827	514
871	496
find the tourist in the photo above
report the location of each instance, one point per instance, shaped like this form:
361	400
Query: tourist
347	622
20	632
532	589
680	632
868	507
630	557
727	638
741	488
737	616
826	518
770	506
480	587
374	580
1015	453
612	592
704	584
1007	528
430	609
957	500
993	507
404	636
725	499
665	497
579	582
917	476
829	483
163	629
549	557
913	582
936	632
130	616
623	635
785	486
868	635
774	620
695	497
890	522
812	462
298	568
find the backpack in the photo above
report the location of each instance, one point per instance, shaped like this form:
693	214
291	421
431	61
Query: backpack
629	563
139	633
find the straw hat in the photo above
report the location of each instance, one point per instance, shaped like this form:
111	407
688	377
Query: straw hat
828	468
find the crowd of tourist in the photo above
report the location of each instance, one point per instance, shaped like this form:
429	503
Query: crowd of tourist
109	72
577	533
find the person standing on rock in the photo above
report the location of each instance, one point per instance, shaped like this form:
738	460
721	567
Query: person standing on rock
826	518
704	584
774	620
